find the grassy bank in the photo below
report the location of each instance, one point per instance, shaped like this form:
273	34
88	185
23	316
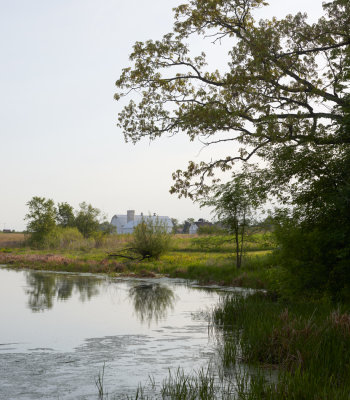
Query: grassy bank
184	260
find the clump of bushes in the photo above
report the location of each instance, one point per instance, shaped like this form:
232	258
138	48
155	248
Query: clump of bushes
64	238
150	238
211	230
60	226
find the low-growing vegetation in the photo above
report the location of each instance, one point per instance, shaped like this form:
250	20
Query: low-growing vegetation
224	243
308	342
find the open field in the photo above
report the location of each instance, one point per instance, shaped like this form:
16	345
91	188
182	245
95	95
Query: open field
11	239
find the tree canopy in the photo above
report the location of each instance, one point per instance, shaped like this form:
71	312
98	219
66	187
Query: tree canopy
65	215
283	95
41	218
87	219
49	224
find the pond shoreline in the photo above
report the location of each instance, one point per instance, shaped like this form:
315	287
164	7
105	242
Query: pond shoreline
221	275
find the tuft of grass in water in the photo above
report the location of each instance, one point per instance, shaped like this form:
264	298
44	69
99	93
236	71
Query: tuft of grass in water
206	385
202	384
182	386
99	382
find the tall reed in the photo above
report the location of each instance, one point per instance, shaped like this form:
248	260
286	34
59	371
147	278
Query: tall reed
309	342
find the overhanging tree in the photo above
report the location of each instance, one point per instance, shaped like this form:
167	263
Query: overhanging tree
284	97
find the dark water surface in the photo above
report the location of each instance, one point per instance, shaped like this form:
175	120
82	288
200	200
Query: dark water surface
58	330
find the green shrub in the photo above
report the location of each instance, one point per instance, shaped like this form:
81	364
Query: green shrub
100	238
315	257
150	238
66	238
210	230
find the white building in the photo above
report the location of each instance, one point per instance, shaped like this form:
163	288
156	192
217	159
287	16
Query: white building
195	225
193	229
126	223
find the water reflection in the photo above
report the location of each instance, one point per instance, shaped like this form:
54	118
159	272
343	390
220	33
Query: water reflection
151	301
74	339
43	289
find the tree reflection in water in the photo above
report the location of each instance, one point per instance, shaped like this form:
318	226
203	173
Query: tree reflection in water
151	301
44	288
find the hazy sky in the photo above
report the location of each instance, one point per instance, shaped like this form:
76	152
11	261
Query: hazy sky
59	62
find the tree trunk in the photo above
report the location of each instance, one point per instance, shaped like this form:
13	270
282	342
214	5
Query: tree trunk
242	240
238	260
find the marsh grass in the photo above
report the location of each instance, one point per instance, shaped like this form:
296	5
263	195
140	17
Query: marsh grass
269	350
202	384
99	382
205	384
308	342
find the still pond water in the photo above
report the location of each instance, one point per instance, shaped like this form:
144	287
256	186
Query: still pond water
58	330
